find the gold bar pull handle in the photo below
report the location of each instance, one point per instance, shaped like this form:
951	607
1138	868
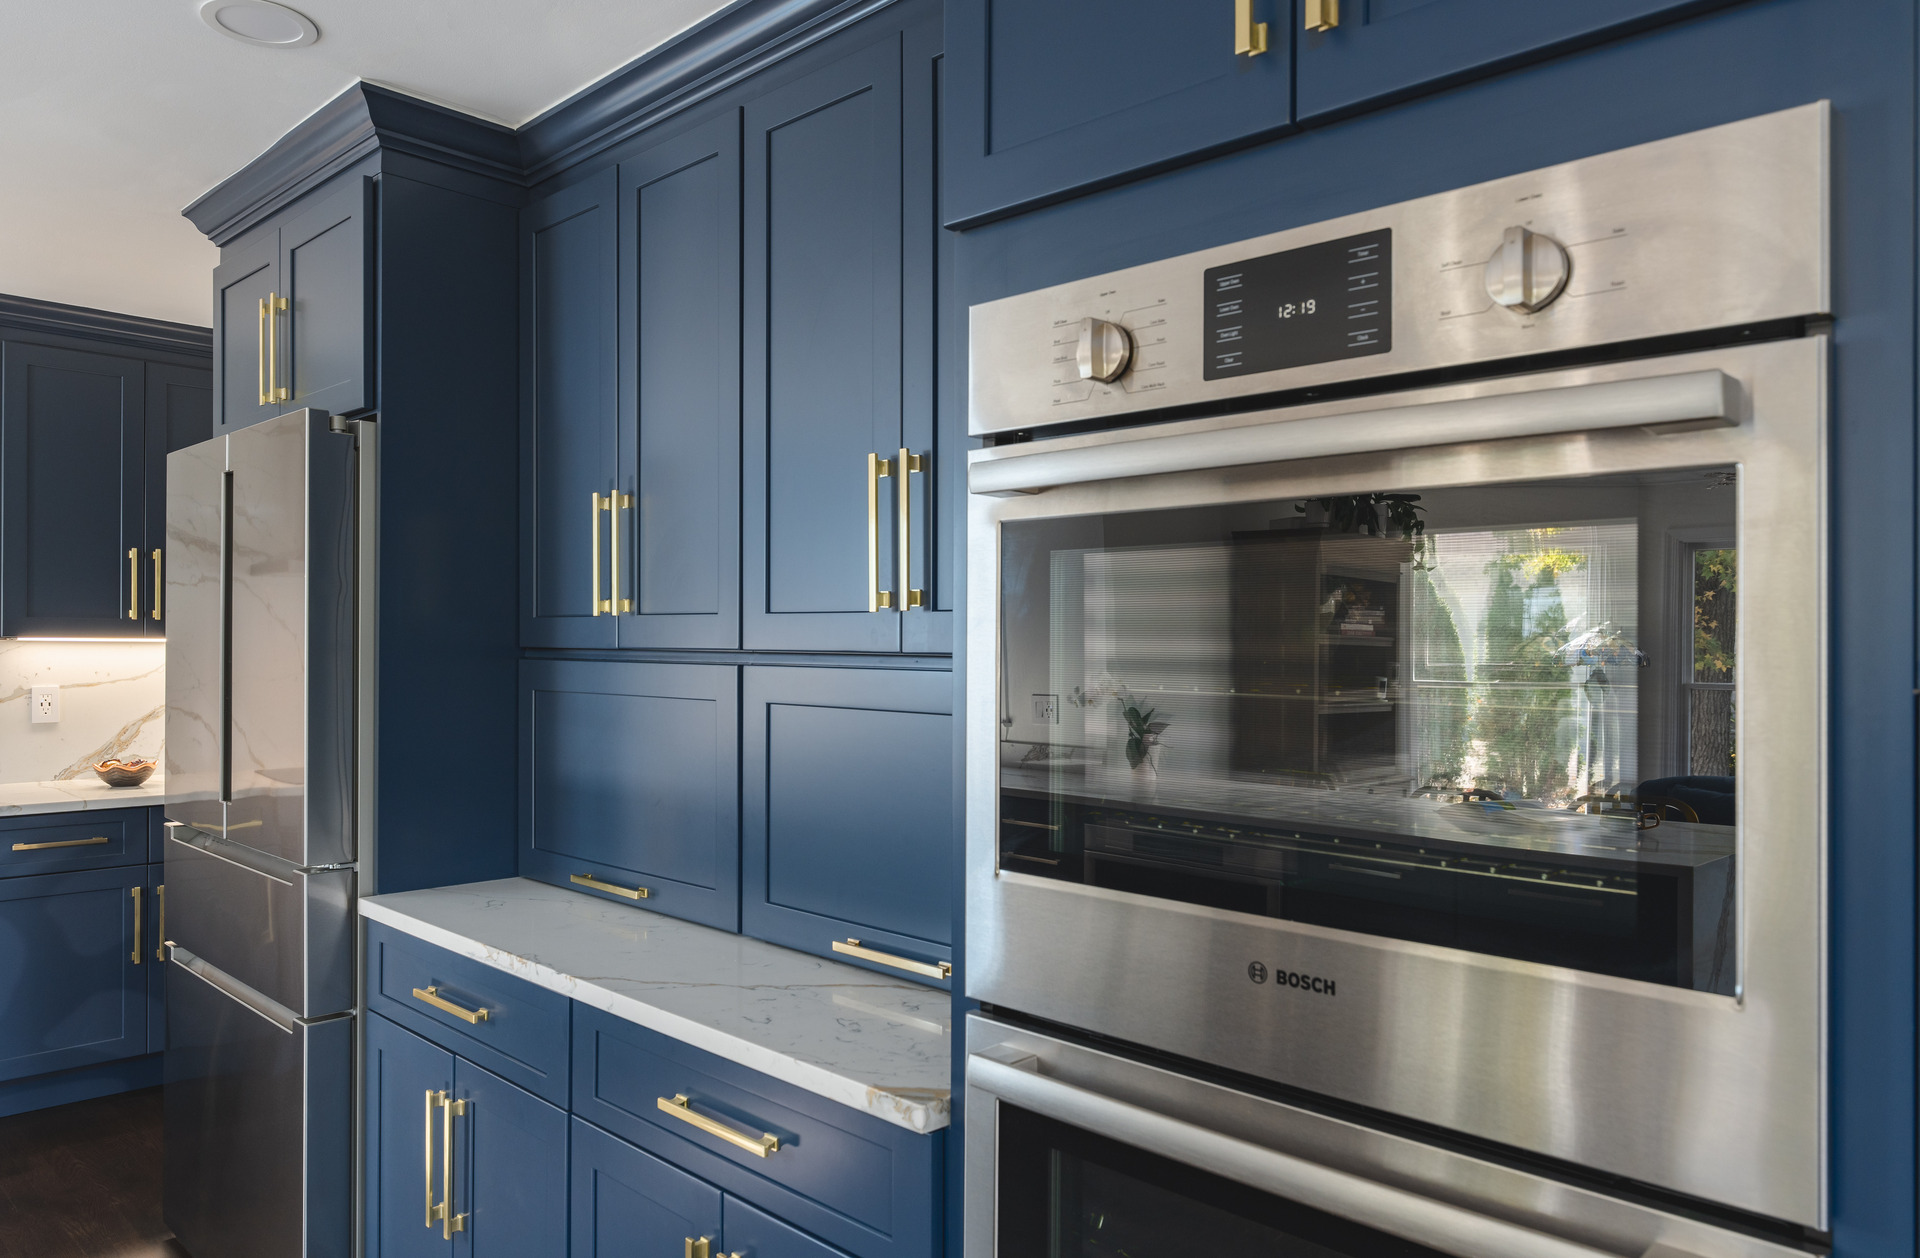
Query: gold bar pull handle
600	605
133	583
160	935
41	847
137	931
910	598
930	969
1249	36
156	584
426	1142
450	1222
764	1145
260	355
472	1017
877	598
616	501
631	893
1321	15
276	392
702	1248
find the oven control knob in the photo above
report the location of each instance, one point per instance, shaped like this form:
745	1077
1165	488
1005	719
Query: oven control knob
1527	271
1105	350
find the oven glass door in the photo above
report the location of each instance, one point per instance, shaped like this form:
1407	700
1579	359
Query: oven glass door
1068	1193
1498	718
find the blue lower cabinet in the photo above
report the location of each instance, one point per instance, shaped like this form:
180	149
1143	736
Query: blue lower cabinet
847	820
155	959
74	840
628	1202
629	784
402	1133
73	969
510	1169
754	1233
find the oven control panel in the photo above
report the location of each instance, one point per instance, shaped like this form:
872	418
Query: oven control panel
1719	228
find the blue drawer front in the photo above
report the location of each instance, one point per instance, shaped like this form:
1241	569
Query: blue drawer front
862	1183
73	840
751	1231
524	1037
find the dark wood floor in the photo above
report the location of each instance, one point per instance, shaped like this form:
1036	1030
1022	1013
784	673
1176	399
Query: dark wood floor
83	1181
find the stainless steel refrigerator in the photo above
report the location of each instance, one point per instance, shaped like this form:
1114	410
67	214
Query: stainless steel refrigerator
261	847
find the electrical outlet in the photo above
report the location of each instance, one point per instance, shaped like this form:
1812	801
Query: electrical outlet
1046	709
44	704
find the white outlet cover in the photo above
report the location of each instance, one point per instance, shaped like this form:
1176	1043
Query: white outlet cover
44	704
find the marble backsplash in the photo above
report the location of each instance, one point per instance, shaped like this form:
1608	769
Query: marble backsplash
112	703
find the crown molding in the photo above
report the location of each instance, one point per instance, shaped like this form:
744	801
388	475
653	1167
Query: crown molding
32	315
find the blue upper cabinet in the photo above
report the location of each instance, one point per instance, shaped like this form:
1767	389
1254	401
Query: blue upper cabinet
179	413
1049	97
1381	49
847	827
73	553
569	448
678	575
247	277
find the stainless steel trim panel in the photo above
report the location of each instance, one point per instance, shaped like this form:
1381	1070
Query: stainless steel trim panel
1720	1097
1455	1203
1712	229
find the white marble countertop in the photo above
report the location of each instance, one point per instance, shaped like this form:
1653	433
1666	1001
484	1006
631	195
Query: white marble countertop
877	1044
25	799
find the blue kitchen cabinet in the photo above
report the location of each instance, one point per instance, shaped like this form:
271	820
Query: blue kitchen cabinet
154	958
507	1187
626	1202
1384	49
179	413
629	783
847	817
248	275
1045	98
569	444
74	958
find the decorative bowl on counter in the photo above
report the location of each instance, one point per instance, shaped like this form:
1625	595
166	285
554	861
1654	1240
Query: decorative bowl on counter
125	772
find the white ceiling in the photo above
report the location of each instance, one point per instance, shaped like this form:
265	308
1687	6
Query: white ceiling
114	114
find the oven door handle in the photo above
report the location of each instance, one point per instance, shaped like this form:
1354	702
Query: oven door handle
1405	1214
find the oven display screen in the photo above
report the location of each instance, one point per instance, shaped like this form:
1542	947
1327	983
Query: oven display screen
1324	302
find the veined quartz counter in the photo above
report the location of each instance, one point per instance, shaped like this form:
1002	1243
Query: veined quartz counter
26	799
877	1044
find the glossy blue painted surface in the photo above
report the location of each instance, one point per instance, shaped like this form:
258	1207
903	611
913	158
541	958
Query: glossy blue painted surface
74	994
400	1069
510	1170
625	1201
848	803
525	1037
629	774
126	831
1048	96
72	490
569	292
680	388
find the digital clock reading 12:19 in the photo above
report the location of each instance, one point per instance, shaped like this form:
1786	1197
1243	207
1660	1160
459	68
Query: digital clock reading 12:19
1310	305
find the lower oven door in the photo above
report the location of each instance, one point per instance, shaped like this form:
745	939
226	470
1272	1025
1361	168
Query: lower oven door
1075	1152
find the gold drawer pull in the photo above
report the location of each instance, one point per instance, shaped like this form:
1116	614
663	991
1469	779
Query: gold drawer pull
588	880
138	932
932	969
1249	36
41	847
433	997
1322	15
681	1108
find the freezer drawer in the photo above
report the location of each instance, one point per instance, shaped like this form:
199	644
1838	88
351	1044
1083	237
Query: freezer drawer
258	1122
281	931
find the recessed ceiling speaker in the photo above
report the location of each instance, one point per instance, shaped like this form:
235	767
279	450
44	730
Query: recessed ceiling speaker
261	23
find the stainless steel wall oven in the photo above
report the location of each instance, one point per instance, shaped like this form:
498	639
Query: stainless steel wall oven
1450	747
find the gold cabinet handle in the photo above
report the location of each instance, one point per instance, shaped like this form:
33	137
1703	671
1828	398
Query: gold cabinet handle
588	880
137	931
156	584
877	598
426	1143
1321	15
600	606
450	1222
615	501
681	1108
275	391
701	1248
932	969
41	847
160	935
910	598
472	1017
133	583
260	355
1249	36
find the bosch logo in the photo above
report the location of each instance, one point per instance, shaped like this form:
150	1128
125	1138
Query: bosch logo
1290	978
1256	972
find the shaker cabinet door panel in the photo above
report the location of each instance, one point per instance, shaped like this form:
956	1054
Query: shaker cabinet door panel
326	266
1384	49
248	274
74	969
155	960
569	282
629	777
822	351
510	1169
73	499
625	1202
179	413
848	812
1048	97
680	390
403	1139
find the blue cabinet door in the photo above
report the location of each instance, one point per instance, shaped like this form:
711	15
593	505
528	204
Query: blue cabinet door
404	1132
154	960
629	778
1384	49
569	457
751	1231
248	274
679	572
179	413
326	273
510	1169
847	824
72	493
1049	97
626	1202
73	970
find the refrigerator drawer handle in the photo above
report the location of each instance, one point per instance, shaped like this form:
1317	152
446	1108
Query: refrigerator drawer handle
588	880
433	997
681	1108
41	847
931	969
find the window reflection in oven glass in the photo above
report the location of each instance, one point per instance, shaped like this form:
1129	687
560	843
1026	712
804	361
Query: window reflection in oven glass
1498	718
